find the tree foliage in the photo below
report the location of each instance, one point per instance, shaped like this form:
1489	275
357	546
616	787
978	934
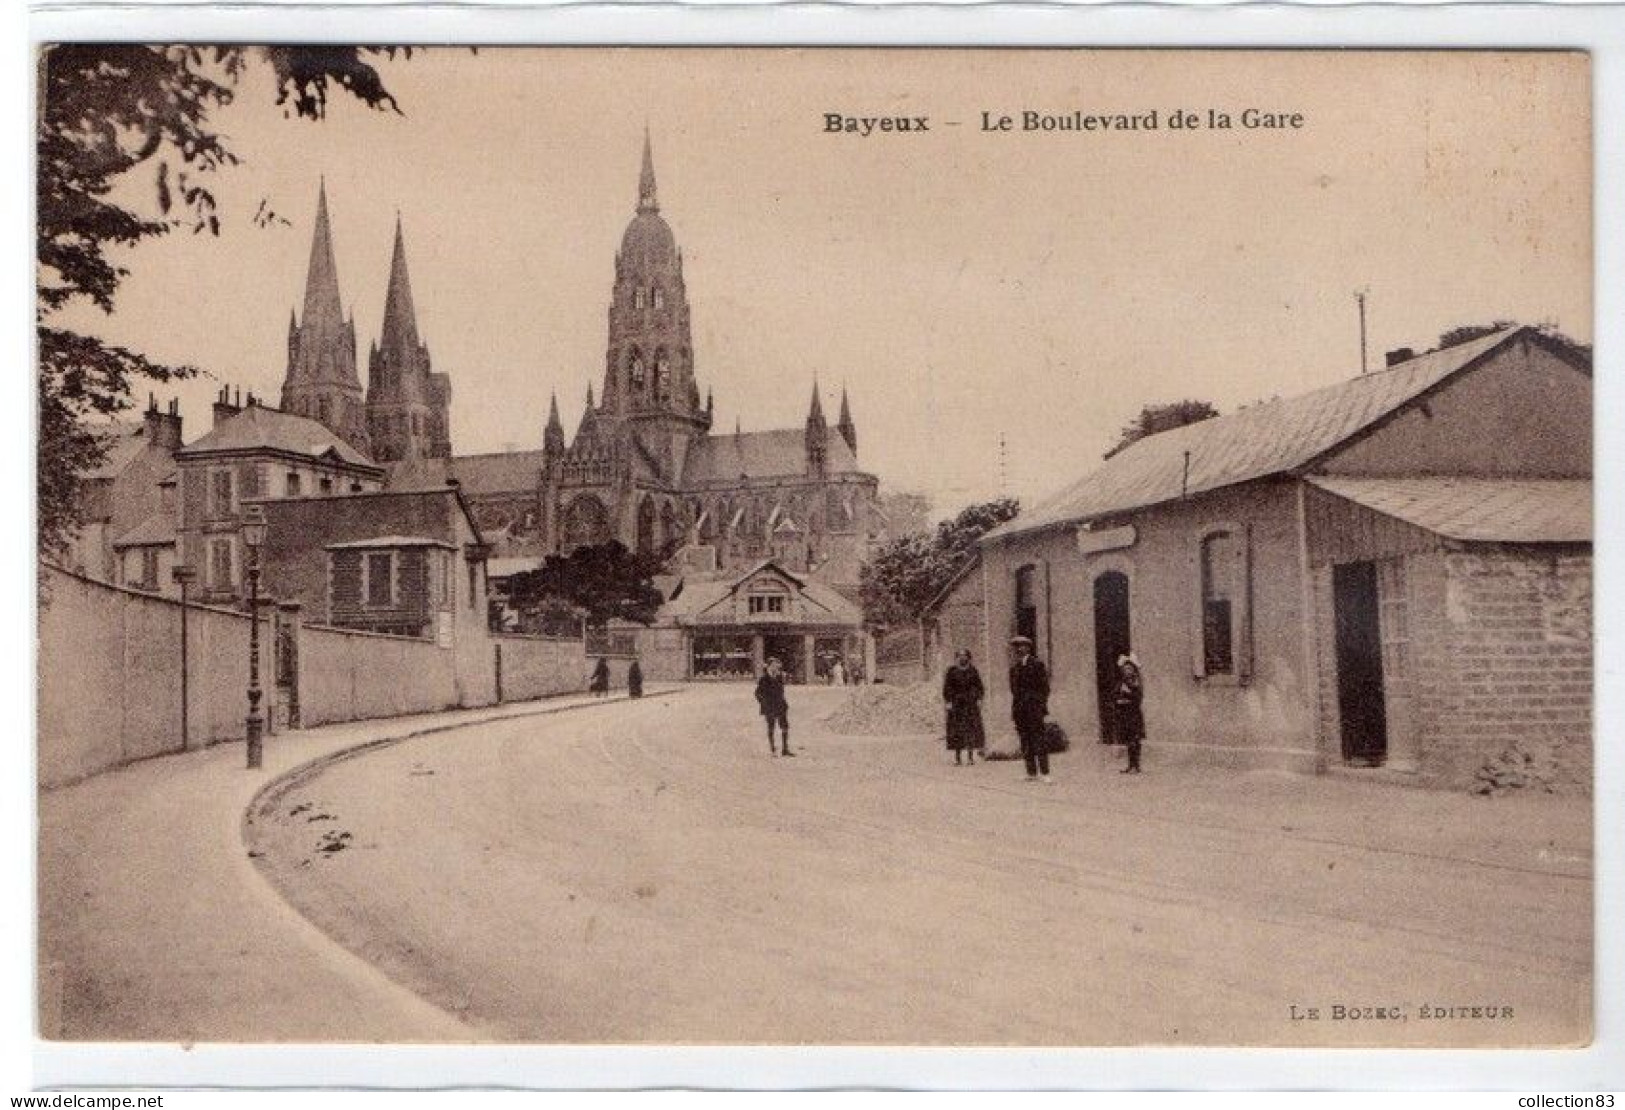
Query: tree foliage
1162	418
604	581
107	113
1466	333
905	574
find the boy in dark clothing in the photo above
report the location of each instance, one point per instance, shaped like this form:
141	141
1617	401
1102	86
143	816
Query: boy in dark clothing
770	697
1128	704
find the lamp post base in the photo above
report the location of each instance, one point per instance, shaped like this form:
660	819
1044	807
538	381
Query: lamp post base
255	727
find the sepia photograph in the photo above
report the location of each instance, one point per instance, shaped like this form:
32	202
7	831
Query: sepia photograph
814	546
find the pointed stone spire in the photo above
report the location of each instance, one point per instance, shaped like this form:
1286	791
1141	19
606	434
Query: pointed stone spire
647	202
816	415
322	308
553	437
400	337
848	430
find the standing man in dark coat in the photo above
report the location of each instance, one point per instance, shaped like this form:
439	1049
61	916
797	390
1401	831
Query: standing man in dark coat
599	683
770	697
1029	706
634	680
1127	703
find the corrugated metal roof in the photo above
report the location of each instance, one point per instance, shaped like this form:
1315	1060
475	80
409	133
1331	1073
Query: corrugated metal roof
258	426
1486	510
1256	442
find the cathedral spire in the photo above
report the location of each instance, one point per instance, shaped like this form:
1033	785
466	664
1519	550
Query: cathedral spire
553	437
647	201
816	414
848	430
400	336
322	307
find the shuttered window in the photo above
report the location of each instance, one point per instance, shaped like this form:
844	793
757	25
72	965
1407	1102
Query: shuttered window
380	579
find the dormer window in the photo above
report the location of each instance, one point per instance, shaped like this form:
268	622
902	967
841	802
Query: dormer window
766	603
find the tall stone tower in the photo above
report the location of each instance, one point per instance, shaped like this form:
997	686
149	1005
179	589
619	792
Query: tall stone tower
408	405
321	382
649	365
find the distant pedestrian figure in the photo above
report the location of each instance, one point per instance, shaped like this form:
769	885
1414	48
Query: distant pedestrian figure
1127	701
837	673
599	683
962	692
634	680
1029	706
770	697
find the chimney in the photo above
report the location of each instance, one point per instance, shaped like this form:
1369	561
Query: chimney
163	426
1399	355
223	408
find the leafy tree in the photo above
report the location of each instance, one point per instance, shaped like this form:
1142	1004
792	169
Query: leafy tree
603	581
906	573
106	112
1162	418
1466	333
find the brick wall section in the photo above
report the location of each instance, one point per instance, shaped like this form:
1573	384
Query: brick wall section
1519	656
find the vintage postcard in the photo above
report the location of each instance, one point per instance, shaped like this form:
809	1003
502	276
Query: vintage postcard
702	546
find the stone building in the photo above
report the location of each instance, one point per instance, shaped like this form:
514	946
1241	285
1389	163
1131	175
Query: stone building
646	467
128	531
1391	572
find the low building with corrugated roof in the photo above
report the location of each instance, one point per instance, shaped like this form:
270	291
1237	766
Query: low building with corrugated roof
1390	574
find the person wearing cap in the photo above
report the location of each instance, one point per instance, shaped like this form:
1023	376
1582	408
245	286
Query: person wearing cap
770	697
1126	701
1029	707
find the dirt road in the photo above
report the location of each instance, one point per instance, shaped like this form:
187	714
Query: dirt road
646	872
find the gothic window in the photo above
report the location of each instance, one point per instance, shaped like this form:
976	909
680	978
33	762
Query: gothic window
671	525
662	378
657	296
586	521
637	297
635	369
647	541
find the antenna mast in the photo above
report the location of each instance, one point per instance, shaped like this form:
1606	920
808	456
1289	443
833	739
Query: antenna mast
1359	299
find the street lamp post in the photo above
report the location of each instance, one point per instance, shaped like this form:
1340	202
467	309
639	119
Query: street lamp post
184	576
253	539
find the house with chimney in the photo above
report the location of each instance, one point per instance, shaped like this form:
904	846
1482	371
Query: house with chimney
1389	576
128	534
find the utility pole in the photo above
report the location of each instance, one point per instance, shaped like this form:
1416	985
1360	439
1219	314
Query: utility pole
1359	298
1004	470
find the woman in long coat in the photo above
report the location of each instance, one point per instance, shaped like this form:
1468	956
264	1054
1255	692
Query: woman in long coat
962	691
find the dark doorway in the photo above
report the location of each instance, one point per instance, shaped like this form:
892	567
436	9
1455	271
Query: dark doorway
789	652
1111	641
1361	707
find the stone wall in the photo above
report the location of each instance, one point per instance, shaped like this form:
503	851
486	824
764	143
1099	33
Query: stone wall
540	667
346	675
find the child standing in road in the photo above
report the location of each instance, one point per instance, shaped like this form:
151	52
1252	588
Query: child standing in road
770	697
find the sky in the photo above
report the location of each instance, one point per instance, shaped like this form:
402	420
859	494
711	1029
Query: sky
998	304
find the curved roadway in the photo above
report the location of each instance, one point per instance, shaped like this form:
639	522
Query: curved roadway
646	872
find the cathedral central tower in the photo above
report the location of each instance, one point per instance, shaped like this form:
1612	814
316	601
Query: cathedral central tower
649	366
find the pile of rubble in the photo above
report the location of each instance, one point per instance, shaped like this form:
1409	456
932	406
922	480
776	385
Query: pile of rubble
1517	769
889	711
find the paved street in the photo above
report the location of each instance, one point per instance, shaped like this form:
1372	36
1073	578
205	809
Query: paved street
646	872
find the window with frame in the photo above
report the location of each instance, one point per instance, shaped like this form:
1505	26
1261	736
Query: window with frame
379	588
149	568
766	603
220	494
295	483
1026	608
222	566
1225	591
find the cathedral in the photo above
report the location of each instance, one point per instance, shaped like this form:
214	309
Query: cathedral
645	465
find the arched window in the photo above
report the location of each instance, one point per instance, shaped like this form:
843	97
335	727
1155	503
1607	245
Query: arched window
657	297
586	521
662	379
634	368
1225	602
637	297
671	526
647	541
1026	607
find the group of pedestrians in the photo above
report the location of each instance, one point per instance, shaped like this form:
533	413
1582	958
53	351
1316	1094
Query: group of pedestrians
963	691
